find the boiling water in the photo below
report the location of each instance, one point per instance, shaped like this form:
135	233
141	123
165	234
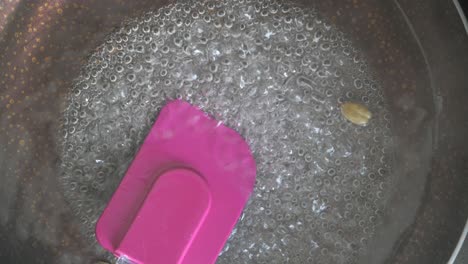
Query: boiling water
274	72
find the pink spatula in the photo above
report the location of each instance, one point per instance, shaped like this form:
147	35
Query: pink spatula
182	194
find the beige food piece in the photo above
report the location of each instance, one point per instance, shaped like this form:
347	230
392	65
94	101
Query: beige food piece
356	113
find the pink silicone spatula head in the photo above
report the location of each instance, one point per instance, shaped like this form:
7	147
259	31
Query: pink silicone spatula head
182	194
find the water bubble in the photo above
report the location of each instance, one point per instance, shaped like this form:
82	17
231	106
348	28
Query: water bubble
300	37
131	77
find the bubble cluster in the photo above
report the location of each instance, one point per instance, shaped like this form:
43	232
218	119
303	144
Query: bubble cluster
274	72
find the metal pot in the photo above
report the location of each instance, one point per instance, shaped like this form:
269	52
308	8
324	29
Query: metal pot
418	49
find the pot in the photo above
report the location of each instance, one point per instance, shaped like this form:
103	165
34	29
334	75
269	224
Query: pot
417	49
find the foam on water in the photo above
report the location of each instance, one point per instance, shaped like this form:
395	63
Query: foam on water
274	72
